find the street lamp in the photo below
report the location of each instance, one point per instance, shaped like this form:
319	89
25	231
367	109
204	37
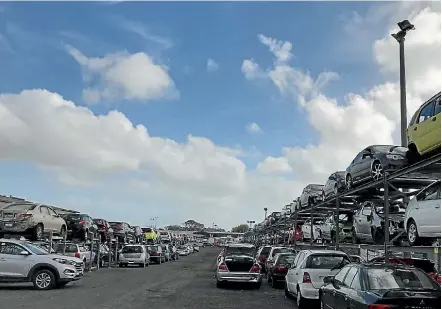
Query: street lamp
265	213
250	223
405	26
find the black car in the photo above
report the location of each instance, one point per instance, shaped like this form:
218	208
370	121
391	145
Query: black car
335	184
123	232
311	195
380	286
371	163
277	271
80	226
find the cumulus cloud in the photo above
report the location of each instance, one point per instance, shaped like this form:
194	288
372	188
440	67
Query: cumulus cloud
212	65
123	76
251	69
253	128
344	128
272	165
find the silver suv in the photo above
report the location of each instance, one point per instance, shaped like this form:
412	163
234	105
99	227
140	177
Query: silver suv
32	219
21	261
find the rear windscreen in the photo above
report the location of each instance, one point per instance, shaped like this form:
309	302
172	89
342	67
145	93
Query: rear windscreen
326	261
152	248
132	249
282	250
69	248
286	259
399	279
265	251
22	207
239	251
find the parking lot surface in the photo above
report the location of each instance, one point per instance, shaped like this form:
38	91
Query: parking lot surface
186	283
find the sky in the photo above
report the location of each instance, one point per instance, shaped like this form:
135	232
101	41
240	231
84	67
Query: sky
206	111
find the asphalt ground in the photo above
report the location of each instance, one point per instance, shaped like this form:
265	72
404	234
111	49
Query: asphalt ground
185	284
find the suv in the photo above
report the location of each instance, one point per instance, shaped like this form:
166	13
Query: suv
123	232
24	262
30	218
104	229
80	226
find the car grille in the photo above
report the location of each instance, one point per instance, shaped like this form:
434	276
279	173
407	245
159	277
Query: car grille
239	266
79	267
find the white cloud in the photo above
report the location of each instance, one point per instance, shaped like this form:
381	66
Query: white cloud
272	165
212	65
251	69
344	128
124	76
253	128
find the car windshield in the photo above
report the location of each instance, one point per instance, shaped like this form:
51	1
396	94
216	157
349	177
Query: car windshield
326	261
35	249
239	251
345	218
132	249
316	187
381	278
389	148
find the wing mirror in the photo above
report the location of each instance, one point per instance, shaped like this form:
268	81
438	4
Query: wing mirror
328	279
25	253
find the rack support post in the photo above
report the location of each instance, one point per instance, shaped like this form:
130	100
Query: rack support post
338	203
387	219
311	226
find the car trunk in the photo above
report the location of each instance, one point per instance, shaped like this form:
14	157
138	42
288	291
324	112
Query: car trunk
239	263
10	215
131	255
410	299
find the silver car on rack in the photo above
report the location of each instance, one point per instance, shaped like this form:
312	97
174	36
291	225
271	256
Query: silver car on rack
237	263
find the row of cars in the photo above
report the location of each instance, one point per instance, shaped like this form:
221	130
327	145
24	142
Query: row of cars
49	267
37	220
332	277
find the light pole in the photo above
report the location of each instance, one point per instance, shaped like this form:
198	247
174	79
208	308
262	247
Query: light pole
405	26
250	223
265	213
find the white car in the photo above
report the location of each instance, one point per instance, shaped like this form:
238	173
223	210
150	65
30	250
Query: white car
305	276
134	255
317	233
422	216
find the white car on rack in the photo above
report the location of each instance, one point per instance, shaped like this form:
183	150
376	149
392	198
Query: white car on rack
306	229
306	274
422	216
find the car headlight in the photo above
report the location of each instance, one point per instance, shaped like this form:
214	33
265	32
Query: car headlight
394	157
63	261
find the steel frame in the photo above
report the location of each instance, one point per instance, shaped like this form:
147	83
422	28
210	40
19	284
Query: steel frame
391	180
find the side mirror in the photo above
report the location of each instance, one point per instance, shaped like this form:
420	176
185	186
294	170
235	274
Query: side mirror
328	279
25	253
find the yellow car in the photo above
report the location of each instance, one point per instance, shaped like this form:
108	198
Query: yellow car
424	129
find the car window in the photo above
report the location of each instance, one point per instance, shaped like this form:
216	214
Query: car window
411	278
437	107
430	193
356	283
426	112
350	276
10	248
326	261
341	274
52	212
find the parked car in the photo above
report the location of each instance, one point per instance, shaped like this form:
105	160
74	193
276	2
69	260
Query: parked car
261	256
80	226
274	217
328	229
335	184
150	235
79	251
104	229
238	264
277	271
304	278
422	216
156	254
371	163
311	195
138	234
295	234
165	236
167	253
31	219
379	286
24	262
368	222
273	252
306	229
423	132
123	232
135	254
183	251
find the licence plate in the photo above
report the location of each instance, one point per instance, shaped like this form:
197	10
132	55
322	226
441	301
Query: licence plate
130	262
8	224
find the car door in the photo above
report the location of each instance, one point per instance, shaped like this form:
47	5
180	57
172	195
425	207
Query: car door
293	273
331	297
435	129
12	263
306	229
355	167
48	222
327	227
363	221
342	299
421	130
364	169
56	220
427	214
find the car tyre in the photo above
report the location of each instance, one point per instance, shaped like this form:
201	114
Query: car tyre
274	283
286	291
219	284
348	182
37	233
412	234
257	286
43	279
300	301
377	171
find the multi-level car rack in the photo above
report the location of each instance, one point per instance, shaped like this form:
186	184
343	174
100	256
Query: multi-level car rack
399	184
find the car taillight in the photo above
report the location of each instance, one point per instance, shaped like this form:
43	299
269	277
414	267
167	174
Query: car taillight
77	255
83	222
306	278
280	269
155	253
255	268
222	267
379	306
262	258
24	216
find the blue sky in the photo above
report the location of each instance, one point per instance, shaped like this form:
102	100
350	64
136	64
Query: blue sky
182	37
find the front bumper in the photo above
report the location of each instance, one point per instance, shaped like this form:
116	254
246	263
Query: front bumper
309	291
239	277
71	273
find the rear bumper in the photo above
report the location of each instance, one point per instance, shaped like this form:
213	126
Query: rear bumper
15	226
239	277
278	277
309	291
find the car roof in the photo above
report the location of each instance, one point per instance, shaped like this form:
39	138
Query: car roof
240	246
325	252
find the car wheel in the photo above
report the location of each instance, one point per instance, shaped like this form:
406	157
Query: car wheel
333	237
378	237
323	196
257	286
348	182
377	171
38	231
43	279
274	283
300	301
121	265
286	291
412	233
63	231
219	284
321	302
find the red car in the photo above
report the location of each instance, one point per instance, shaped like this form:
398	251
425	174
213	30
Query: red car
296	235
424	264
